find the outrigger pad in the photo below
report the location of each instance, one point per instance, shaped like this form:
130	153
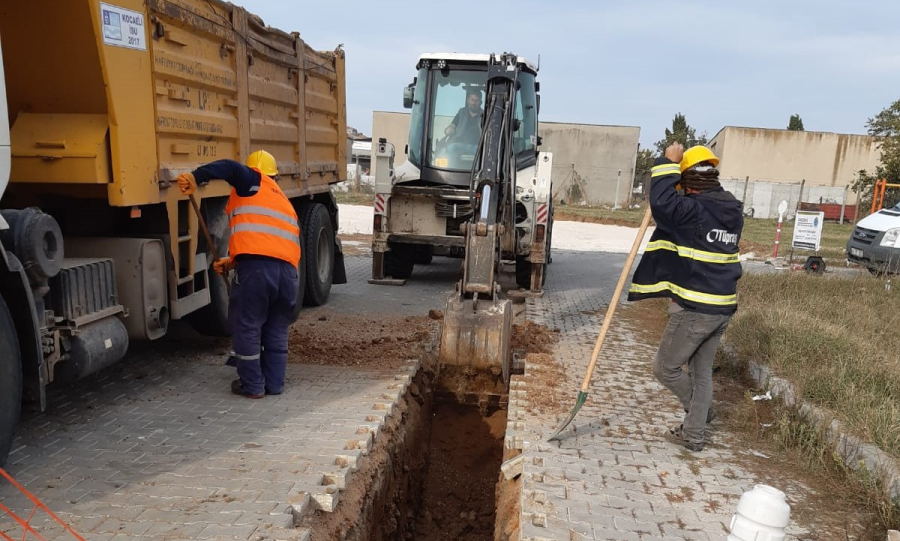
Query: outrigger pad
478	339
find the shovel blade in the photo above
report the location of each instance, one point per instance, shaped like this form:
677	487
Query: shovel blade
582	398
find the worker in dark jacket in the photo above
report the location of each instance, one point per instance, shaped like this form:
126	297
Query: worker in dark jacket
692	258
264	251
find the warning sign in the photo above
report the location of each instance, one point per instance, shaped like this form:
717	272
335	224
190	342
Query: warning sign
123	27
808	230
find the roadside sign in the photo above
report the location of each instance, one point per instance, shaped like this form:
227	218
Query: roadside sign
808	230
782	208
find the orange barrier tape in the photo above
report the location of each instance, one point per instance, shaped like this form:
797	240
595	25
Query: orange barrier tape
25	524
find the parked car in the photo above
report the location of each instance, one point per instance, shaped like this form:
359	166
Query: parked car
875	242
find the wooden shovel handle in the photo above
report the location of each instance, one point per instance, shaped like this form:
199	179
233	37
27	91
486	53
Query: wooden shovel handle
209	240
623	278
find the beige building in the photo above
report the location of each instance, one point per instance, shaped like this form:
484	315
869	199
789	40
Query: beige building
591	163
823	159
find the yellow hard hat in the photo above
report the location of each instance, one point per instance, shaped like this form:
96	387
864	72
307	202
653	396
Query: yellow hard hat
263	161
697	154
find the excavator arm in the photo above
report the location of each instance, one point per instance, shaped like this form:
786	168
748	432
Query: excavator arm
476	335
493	182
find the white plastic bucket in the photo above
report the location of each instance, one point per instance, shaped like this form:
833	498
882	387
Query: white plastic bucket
762	515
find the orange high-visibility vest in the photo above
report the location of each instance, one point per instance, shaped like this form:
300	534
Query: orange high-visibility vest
264	224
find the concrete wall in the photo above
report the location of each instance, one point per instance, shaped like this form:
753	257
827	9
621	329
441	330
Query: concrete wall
583	154
782	156
594	155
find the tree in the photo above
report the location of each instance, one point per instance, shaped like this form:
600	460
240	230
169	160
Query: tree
681	132
796	123
642	166
885	127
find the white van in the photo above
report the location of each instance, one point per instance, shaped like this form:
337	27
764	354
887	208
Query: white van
875	242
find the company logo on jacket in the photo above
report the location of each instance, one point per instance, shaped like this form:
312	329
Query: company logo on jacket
721	235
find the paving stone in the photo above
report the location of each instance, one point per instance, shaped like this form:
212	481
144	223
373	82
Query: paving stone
157	447
633	480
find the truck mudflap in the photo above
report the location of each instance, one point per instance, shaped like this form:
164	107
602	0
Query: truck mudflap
339	272
476	335
16	291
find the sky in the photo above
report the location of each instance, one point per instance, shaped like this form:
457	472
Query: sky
638	63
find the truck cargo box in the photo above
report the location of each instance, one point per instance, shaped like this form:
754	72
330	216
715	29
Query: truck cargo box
113	100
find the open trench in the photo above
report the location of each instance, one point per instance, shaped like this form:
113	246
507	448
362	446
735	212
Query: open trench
434	470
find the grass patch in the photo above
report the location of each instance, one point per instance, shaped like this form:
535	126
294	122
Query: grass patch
599	215
835	339
353	198
759	236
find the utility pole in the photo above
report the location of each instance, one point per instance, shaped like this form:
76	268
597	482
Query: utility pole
618	181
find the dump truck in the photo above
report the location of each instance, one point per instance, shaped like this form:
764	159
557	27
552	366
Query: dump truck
474	186
106	105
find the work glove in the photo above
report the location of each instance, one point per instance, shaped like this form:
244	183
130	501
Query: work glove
223	265
186	183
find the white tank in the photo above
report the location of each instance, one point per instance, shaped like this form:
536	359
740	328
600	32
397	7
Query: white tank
762	515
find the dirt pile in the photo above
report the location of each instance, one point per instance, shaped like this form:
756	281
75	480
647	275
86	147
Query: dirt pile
369	340
532	338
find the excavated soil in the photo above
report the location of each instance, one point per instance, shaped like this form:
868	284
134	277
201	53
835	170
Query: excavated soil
466	451
434	470
530	337
382	499
371	340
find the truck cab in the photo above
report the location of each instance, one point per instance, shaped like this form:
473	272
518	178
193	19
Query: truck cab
875	242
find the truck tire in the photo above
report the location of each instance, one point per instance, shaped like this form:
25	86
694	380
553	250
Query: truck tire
212	319
399	262
318	240
301	285
10	381
423	255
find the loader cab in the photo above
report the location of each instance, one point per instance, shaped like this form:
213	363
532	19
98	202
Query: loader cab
447	100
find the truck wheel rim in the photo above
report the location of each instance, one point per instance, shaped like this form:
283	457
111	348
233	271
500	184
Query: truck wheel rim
323	261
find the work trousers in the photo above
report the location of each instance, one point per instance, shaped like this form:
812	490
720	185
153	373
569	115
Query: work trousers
690	338
263	297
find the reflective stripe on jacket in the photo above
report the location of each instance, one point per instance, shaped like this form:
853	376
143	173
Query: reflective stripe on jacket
264	224
692	256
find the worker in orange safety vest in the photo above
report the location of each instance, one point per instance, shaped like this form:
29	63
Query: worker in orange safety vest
264	252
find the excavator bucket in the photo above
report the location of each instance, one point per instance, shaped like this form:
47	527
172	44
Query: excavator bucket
477	336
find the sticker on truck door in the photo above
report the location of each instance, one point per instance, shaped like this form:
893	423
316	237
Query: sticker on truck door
123	27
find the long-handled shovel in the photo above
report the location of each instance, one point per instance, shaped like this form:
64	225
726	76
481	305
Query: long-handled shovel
209	240
583	393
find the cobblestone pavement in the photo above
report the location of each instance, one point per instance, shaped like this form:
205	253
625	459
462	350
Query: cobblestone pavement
156	447
614	475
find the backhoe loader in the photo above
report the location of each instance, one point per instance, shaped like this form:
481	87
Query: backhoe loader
474	186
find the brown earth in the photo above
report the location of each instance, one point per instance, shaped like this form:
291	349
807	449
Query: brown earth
530	337
465	455
371	340
383	497
509	494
